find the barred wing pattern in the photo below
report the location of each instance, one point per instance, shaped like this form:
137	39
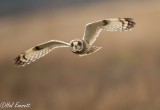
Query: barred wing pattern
38	51
114	24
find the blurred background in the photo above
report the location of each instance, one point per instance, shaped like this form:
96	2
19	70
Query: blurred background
123	75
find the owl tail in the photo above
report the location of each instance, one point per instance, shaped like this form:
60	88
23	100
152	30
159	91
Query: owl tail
92	50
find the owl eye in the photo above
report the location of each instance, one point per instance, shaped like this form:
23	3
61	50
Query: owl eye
79	43
72	45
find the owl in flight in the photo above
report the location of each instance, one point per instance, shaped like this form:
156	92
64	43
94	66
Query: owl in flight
80	47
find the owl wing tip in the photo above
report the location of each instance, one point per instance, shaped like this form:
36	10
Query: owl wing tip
131	23
127	23
18	61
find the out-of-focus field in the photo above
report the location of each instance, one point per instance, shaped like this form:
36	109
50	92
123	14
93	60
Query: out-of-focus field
123	75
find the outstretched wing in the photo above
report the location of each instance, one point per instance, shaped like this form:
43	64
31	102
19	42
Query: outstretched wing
114	24
38	51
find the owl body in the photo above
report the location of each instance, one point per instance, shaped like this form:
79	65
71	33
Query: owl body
80	47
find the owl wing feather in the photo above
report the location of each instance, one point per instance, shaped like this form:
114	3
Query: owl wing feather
93	30
38	51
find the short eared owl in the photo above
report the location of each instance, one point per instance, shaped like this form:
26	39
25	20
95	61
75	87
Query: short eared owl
82	46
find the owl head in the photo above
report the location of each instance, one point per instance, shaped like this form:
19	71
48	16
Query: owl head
76	45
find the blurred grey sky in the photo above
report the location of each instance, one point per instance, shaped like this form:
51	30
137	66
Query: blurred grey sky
14	7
